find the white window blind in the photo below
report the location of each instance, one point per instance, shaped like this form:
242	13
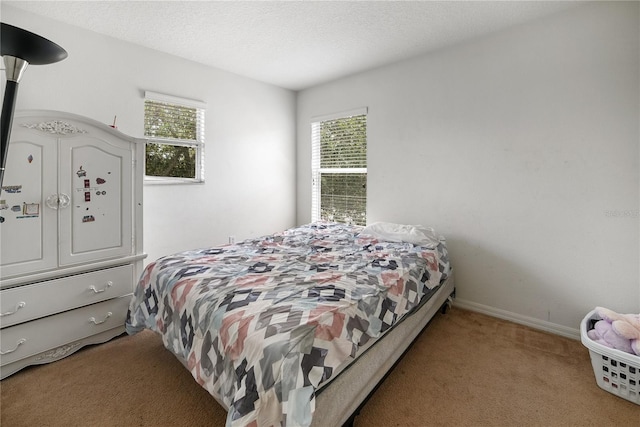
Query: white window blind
339	168
175	128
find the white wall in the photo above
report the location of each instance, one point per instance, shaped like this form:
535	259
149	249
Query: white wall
250	132
517	147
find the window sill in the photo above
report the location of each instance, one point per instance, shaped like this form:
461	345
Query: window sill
155	180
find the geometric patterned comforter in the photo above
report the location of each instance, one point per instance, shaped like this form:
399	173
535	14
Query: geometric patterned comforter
261	324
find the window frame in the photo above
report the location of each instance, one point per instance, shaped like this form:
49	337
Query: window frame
317	170
198	143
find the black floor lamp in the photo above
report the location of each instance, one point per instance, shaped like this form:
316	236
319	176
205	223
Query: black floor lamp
19	49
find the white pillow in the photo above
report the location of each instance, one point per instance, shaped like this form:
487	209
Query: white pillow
414	234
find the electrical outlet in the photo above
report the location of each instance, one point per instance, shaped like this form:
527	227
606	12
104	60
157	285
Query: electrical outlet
232	240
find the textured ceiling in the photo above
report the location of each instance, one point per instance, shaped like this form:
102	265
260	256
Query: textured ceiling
293	44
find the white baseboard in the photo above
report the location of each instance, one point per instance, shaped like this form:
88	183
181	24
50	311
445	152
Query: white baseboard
517	318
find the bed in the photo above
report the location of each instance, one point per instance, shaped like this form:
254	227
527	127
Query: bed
297	323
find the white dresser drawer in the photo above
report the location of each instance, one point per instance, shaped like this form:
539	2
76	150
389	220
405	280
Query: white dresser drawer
27	339
41	299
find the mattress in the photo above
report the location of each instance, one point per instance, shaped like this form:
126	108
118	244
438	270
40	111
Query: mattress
264	324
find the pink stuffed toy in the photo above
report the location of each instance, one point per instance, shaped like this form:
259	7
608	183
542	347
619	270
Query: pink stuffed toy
626	326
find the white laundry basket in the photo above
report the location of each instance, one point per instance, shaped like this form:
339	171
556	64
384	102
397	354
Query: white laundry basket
616	371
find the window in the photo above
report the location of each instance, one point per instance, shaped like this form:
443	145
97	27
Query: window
339	168
175	131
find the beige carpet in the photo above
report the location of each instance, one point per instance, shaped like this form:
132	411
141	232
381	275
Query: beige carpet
465	369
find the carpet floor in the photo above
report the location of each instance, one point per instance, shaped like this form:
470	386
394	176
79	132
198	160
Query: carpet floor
465	369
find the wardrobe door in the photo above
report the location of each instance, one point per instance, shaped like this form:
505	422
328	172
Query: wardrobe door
28	204
96	175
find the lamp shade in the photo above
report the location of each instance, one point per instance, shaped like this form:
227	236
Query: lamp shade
30	47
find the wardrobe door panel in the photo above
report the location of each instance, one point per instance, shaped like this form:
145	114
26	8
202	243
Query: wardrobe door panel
95	173
28	205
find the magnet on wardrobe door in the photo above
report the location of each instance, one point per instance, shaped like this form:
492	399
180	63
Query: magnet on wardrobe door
81	172
100	180
32	209
30	158
3	205
1	219
88	218
13	189
87	196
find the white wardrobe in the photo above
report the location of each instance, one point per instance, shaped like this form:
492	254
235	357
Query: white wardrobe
70	236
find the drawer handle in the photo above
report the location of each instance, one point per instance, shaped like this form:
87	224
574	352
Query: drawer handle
97	291
98	322
20	305
19	343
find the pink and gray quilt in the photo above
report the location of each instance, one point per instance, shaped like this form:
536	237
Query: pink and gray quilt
262	324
